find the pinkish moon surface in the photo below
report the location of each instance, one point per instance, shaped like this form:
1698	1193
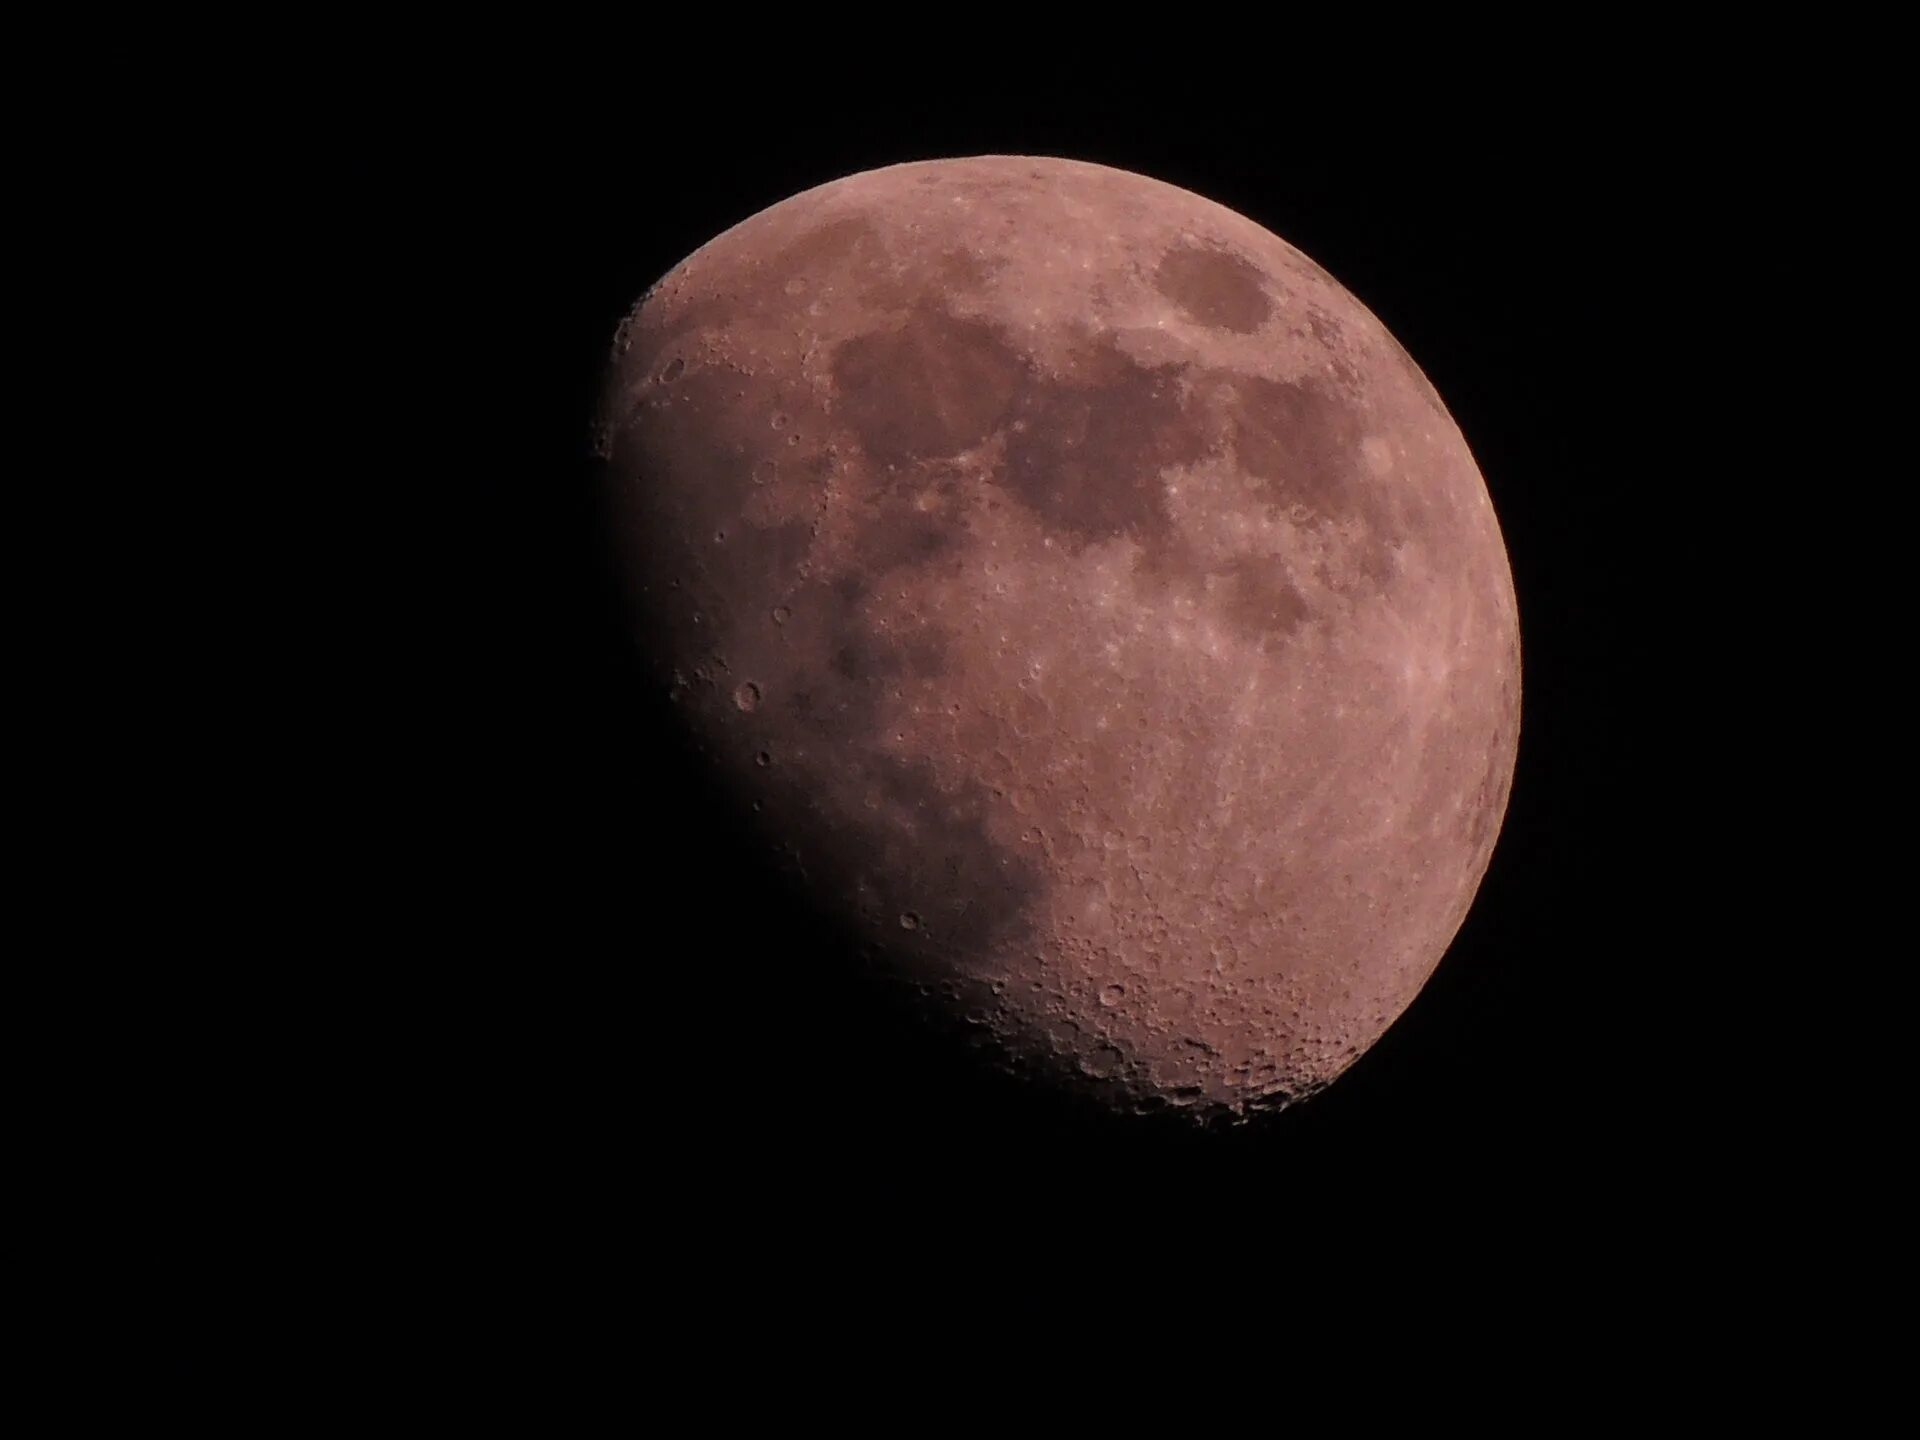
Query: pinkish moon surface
1094	602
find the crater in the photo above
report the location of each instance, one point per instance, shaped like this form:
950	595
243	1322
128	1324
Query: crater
1214	288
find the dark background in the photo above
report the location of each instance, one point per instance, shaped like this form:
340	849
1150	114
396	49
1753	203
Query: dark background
612	1007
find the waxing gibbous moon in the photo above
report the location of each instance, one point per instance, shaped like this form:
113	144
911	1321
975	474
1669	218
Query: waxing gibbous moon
1090	599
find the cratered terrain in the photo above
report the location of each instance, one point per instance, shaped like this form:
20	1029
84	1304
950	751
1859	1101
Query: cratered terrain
1090	599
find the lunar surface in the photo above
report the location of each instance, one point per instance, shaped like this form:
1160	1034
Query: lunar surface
1091	600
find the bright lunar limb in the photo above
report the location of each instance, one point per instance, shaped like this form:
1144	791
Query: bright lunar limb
1094	600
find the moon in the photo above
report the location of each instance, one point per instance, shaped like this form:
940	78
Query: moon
1093	603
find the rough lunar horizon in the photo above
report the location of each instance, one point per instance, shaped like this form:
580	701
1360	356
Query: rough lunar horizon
1094	602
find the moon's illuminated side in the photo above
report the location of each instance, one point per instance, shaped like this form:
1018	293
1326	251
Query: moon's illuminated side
1095	600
